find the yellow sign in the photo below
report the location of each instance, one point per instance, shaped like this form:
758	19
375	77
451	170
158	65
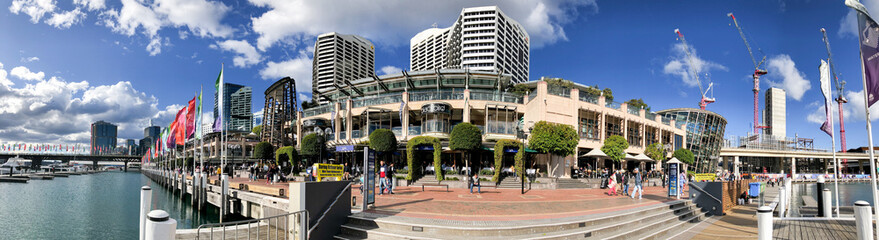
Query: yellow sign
323	170
705	177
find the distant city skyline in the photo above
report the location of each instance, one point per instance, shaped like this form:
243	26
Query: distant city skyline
146	66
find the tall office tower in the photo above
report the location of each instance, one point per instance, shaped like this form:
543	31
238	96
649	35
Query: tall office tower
236	107
483	38
775	115
152	132
338	59
103	137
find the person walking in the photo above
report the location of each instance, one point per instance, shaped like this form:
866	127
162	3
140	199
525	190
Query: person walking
638	187
626	183
382	180
611	184
389	178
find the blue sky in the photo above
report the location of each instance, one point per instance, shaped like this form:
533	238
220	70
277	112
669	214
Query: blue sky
66	64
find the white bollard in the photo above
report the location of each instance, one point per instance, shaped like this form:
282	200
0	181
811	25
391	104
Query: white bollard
146	197
782	199
864	220
160	226
764	223
827	206
225	192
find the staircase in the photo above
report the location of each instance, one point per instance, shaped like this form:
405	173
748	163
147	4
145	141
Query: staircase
567	183
510	183
660	221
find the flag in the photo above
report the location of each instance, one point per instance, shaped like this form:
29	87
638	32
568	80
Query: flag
180	121
824	70
190	118
220	93
198	123
868	36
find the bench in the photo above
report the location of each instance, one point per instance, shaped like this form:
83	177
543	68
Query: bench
434	185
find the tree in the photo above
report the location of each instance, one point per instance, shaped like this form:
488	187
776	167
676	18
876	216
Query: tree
554	138
291	154
520	89
312	145
559	82
684	155
656	152
263	151
499	156
615	147
383	140
466	137
608	94
257	129
637	104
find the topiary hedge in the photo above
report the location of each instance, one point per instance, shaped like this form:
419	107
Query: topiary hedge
410	156
292	155
499	156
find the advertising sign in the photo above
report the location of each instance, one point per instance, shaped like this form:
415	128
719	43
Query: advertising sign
323	170
369	170
673	179
702	177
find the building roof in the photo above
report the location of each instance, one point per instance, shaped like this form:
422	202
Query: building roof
691	110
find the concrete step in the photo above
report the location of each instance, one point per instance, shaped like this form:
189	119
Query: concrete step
642	229
362	227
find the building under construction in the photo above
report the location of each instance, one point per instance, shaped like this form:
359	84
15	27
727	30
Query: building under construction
280	112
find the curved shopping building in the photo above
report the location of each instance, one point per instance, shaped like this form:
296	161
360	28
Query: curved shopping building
431	103
704	134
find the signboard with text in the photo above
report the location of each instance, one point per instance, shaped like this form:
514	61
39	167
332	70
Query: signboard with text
369	179
701	177
673	179
323	170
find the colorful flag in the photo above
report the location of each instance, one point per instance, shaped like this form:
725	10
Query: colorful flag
220	93
868	36
824	71
190	118
198	123
180	134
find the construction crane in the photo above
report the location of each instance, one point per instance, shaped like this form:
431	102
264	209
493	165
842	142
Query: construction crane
757	73
705	100
840	86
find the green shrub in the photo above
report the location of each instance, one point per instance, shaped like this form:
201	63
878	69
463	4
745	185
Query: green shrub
452	179
403	171
450	172
486	172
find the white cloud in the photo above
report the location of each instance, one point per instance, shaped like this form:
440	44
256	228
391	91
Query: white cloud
301	20
298	68
682	66
65	19
246	55
853	110
30	59
24	73
390	70
302	97
848	25
91	5
33	8
793	81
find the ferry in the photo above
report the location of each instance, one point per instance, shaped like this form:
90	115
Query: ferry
134	166
15	165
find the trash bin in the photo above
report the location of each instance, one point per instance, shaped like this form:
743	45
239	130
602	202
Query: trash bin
754	189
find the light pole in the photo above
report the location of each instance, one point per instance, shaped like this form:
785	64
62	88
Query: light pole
521	135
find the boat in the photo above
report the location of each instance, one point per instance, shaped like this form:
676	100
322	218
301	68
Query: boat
15	165
48	165
133	166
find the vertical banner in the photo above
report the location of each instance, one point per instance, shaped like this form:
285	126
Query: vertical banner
672	179
369	177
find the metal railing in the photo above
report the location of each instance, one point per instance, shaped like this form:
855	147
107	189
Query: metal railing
613	105
236	229
322	215
585	97
317	110
693	186
634	111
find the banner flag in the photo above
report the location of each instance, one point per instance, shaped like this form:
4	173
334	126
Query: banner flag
824	70
868	37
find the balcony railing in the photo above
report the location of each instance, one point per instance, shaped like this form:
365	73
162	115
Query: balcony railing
559	91
414	130
613	105
532	95
398	131
436	95
355	134
343	135
585	97
666	120
496	96
650	116
501	127
634	111
317	110
377	100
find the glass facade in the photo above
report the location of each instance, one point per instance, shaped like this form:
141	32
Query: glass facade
705	131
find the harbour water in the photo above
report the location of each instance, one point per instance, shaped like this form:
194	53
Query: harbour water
848	194
94	206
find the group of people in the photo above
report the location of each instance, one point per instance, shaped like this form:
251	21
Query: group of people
271	172
619	181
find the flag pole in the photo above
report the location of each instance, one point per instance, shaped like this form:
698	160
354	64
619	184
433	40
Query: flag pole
835	165
870	142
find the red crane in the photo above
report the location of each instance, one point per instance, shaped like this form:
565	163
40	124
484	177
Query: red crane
757	73
705	100
840	98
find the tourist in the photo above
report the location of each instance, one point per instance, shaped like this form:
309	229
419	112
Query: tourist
625	182
638	187
389	178
611	185
474	182
382	180
269	174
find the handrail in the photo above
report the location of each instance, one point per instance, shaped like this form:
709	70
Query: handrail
242	222
706	192
328	208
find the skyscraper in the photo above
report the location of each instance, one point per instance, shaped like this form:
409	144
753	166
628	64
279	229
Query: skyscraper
775	115
339	58
103	137
152	132
483	38
236	107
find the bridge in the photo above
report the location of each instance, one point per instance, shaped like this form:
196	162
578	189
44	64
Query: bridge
37	158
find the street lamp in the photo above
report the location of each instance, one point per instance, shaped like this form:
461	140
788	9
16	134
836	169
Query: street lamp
521	135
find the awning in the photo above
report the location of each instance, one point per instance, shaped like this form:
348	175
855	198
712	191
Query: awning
642	157
596	152
673	160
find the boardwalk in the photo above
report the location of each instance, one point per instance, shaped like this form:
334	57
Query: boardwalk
814	229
